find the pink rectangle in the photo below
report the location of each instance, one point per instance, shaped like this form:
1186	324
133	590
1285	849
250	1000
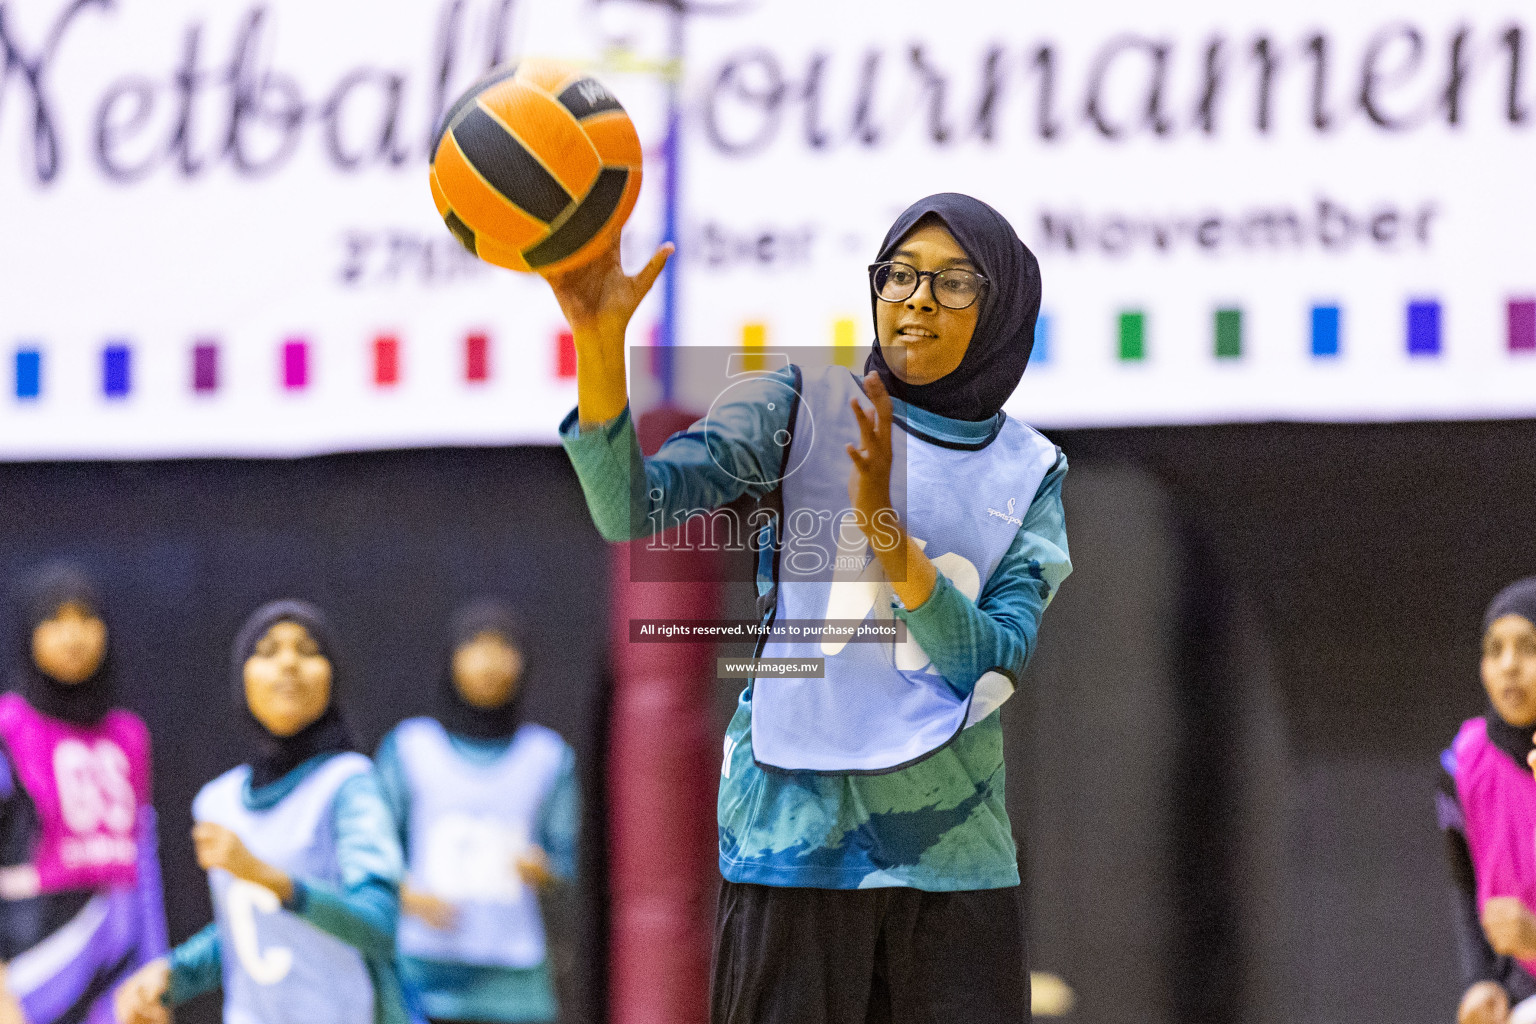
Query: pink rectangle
295	364
1522	325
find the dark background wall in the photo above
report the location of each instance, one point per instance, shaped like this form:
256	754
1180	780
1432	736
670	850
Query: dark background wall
1233	723
1220	763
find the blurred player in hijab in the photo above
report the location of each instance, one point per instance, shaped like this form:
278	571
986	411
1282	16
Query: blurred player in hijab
80	899
300	851
1487	805
869	866
488	810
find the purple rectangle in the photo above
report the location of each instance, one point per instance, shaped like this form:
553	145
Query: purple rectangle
205	367
1522	325
295	364
1424	327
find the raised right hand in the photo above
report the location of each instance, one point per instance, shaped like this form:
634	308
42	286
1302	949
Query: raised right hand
139	1000
598	300
1484	1003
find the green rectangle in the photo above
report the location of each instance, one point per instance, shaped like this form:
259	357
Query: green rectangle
1133	336
1229	333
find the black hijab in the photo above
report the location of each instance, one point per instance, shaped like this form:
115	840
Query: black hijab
1005	328
459	715
49	589
276	756
1518	598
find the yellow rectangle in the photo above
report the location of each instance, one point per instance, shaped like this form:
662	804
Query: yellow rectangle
754	338
843	350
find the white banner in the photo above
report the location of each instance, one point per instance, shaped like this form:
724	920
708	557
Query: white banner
216	235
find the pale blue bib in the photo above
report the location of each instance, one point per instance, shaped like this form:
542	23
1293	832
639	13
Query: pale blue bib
279	968
469	823
882	706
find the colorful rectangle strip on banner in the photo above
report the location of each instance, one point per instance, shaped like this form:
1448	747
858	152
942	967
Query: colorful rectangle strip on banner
205	367
1229	333
565	354
29	373
1041	353
1522	325
754	338
1133	336
1424	327
116	362
477	357
386	361
1325	331
845	349
295	364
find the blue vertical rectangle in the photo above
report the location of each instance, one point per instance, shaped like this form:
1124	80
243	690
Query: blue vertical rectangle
1325	331
29	373
1424	327
1041	353
115	362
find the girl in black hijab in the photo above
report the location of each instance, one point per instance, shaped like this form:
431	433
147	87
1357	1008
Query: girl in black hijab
487	807
300	851
78	863
1487	811
869	865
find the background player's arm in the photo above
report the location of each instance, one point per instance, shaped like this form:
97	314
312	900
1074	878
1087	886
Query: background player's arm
192	968
364	910
559	822
965	639
396	793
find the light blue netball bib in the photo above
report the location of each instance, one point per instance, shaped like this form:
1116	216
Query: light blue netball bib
882	706
469	823
279	968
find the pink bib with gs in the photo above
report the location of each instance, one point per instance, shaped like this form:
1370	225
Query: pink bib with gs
88	783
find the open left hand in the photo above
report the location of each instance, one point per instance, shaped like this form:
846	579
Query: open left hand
869	485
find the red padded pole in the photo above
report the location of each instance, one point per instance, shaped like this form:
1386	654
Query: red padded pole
662	772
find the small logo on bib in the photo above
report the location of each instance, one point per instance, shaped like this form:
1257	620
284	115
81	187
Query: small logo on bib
1007	517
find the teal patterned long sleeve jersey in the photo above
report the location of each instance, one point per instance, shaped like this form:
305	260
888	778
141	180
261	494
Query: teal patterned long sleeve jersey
940	824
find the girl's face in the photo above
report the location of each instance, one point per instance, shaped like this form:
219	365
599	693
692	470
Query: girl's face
287	680
486	670
1509	669
70	646
922	340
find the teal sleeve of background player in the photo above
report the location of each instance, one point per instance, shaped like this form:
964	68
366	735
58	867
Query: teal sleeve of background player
997	632
196	967
560	820
713	462
393	786
364	910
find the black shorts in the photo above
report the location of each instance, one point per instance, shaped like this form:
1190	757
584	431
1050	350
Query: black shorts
869	956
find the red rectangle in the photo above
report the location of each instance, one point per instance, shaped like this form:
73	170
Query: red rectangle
386	360
477	358
565	354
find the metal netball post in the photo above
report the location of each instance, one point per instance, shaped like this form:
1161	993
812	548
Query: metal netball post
662	750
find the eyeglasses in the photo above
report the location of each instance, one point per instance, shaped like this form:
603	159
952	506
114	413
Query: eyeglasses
954	288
